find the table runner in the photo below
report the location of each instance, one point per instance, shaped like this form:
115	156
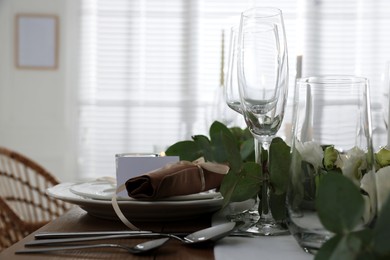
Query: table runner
248	248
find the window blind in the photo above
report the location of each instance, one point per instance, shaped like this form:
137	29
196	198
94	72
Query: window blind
150	69
350	38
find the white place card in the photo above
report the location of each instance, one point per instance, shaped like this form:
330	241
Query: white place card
132	165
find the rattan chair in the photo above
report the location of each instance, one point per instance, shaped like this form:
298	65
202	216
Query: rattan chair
24	205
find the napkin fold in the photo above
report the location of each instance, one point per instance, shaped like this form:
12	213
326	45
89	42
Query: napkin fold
181	178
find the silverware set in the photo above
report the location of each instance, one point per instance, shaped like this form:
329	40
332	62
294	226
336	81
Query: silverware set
58	241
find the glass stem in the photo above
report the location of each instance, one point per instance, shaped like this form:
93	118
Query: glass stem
262	146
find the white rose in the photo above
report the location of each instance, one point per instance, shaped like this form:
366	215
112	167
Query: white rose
382	180
382	177
311	152
368	185
353	163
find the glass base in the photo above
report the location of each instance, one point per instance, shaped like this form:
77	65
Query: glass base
268	228
254	225
310	242
310	239
247	216
245	211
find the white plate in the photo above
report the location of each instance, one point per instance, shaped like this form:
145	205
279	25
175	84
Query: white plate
104	190
137	210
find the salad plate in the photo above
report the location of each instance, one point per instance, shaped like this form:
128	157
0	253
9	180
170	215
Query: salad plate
105	190
138	210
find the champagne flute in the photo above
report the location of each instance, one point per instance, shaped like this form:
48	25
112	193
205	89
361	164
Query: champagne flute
231	91
247	212
232	97
263	85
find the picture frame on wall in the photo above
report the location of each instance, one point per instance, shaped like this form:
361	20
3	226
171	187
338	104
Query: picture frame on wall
36	41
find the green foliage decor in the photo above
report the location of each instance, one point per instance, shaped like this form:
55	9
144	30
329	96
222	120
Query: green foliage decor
235	147
338	200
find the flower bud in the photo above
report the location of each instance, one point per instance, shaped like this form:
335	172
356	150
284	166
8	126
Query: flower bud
383	157
330	157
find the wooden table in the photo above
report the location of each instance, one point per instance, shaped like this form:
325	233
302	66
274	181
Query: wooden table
78	220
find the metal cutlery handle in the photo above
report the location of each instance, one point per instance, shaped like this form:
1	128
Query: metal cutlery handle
52	249
45	235
40	242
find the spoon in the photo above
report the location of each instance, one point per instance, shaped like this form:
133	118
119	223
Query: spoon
205	235
137	249
209	234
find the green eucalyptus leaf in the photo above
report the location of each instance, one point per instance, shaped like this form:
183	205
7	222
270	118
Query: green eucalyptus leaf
259	197
382	231
186	150
369	255
204	145
310	181
297	180
336	171
241	185
339	204
327	249
365	252
366	236
264	204
245	143
238	133
247	134
247	150
353	246
348	248
241	134
202	141
278	206
224	146
217	127
279	165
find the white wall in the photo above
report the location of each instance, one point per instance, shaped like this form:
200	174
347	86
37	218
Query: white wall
38	107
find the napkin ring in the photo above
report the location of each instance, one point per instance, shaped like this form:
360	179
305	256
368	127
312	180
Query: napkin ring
202	179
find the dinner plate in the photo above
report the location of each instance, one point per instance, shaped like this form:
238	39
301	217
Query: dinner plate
139	210
105	190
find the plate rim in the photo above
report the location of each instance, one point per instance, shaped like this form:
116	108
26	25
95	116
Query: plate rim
106	198
77	199
136	210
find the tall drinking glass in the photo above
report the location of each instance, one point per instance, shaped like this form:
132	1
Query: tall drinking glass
329	112
263	85
386	103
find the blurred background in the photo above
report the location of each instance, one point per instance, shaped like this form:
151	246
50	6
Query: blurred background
140	75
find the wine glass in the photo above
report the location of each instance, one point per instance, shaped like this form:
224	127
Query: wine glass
263	86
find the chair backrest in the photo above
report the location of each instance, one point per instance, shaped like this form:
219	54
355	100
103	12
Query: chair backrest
24	203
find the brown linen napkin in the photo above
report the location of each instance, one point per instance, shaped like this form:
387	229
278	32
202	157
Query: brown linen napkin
181	178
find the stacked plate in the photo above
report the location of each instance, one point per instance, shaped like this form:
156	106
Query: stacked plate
95	198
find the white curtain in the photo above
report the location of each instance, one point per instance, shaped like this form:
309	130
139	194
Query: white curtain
150	69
